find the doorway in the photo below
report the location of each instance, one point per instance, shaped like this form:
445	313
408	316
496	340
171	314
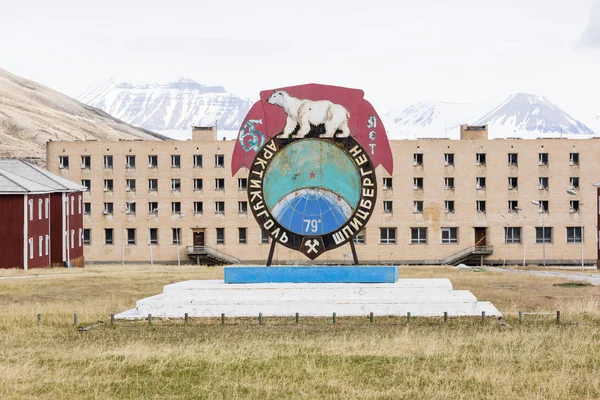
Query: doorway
480	237
199	238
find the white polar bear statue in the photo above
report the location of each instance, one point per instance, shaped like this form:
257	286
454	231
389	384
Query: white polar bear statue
306	112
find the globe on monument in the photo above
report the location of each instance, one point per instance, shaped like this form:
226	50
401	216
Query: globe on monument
312	187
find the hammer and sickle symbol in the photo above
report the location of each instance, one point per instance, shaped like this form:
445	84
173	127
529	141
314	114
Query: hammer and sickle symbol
312	246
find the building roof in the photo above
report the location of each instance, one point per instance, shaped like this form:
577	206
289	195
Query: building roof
18	176
15	184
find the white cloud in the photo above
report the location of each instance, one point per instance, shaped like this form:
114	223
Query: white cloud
591	35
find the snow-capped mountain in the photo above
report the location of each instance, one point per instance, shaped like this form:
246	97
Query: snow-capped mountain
521	115
168	106
428	119
594	124
526	115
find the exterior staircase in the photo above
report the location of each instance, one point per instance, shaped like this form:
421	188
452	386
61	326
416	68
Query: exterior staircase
208	255
467	254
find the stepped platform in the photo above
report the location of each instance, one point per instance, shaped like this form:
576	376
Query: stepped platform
211	298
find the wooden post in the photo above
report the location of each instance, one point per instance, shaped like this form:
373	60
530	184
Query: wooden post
149	319
371	317
260	318
112	319
222	319
520	317
445	316
75	319
483	316
39	318
186	318
297	317
558	317
334	318
408	317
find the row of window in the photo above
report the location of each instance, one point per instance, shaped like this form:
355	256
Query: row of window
131	184
46	240
449	207
40	209
130	161
131	207
480	183
43	208
480	206
418	159
175	233
481	159
418	184
449	235
511	235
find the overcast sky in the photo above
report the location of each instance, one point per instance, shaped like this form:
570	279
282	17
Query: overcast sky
397	51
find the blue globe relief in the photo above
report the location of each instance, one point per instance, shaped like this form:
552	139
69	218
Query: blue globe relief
312	211
312	187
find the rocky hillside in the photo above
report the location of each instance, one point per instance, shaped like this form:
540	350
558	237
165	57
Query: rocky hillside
31	114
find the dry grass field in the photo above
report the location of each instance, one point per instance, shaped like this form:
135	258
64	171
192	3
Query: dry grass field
353	359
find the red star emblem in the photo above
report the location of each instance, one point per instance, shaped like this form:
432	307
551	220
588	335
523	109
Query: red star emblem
312	175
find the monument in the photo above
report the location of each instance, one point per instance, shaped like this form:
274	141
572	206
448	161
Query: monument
311	152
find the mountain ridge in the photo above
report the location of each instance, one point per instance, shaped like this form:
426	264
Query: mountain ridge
168	105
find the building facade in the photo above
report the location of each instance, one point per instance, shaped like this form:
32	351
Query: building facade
41	218
446	199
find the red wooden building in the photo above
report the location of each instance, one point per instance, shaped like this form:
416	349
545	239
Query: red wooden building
41	218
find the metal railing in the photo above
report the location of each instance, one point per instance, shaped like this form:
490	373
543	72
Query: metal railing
209	252
466	253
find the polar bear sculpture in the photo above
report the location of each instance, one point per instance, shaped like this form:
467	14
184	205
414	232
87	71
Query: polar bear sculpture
307	112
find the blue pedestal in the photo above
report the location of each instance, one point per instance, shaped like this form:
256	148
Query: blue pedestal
324	274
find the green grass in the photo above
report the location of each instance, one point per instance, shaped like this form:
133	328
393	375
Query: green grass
353	359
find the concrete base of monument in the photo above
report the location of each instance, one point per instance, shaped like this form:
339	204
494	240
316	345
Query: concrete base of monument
420	297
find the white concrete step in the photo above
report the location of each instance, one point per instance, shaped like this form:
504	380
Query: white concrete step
420	297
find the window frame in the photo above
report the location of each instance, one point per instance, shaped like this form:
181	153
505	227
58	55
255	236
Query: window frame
449	159
478	208
86	162
175	208
242	239
152	161
219	235
175	161
390	236
388	207
61	162
108	161
541	239
109	240
130	241
478	160
197	160
198	208
574	240
151	241
419	239
512	234
128	163
176	236
449	230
